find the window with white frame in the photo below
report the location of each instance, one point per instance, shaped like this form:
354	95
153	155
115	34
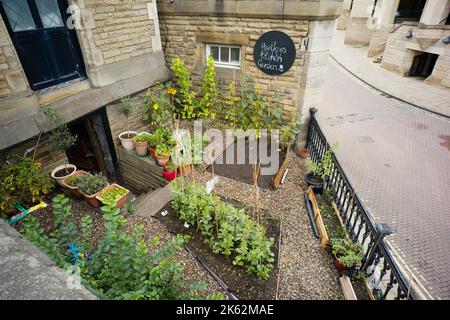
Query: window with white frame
225	55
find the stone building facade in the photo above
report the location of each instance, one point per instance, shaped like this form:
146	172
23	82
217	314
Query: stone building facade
188	27
410	37
124	47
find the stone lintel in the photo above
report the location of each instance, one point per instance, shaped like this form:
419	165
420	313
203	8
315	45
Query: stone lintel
272	9
222	37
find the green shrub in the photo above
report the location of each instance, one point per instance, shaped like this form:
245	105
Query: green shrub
122	265
225	229
22	180
91	184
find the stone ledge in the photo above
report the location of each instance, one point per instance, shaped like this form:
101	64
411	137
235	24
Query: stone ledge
287	9
26	273
223	37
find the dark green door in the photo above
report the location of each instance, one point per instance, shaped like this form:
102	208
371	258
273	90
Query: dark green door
47	48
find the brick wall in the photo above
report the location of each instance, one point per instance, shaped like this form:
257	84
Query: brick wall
182	37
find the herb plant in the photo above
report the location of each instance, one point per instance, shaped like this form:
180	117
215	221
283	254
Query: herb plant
91	184
349	253
112	194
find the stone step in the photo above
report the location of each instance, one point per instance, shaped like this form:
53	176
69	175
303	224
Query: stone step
151	203
143	196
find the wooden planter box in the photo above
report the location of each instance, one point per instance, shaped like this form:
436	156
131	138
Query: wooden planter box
121	201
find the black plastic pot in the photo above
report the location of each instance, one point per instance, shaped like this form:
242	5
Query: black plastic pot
317	187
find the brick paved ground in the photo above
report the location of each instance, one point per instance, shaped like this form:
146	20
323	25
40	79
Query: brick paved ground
398	157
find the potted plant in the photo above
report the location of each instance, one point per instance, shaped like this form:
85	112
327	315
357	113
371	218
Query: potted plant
163	152
70	182
347	253
114	195
153	140
141	144
61	139
303	152
90	185
170	171
320	171
126	138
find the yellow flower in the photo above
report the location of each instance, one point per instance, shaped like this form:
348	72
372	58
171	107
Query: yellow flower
155	106
172	91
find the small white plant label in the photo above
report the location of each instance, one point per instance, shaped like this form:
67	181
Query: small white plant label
211	184
186	225
164	213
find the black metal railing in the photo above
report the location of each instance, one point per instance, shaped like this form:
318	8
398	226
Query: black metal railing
383	274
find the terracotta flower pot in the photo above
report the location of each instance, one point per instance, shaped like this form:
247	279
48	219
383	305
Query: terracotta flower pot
127	140
59	179
141	148
119	202
169	175
162	161
152	152
303	152
74	190
339	264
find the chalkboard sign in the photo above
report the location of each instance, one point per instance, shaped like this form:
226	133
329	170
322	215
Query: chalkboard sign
274	52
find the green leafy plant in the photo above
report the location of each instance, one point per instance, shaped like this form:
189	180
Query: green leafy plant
288	132
91	184
348	252
112	194
161	135
60	138
22	180
72	181
171	167
121	266
159	104
210	99
126	108
130	207
163	150
225	229
143	137
185	99
324	167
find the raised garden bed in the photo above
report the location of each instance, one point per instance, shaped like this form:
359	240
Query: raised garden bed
244	172
239	283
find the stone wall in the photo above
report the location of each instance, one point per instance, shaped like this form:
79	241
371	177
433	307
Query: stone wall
357	32
117	122
12	78
123	29
400	51
186	37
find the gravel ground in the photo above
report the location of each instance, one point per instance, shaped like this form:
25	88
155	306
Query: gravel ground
306	270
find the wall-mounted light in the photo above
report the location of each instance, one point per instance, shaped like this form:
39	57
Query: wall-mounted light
409	34
446	40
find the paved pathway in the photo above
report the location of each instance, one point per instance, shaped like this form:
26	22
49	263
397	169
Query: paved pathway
398	157
408	89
